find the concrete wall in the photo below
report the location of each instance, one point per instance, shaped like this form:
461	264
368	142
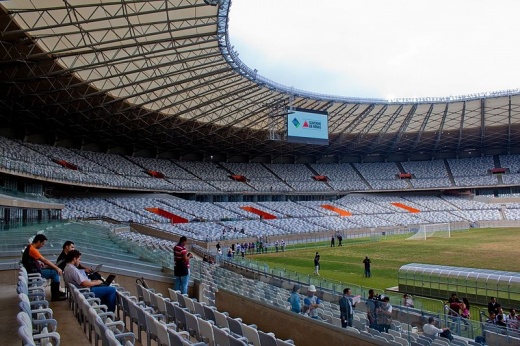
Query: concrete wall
287	325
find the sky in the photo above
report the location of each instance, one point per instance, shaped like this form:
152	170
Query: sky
381	48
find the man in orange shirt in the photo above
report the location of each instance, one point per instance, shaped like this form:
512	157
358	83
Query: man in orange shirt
34	262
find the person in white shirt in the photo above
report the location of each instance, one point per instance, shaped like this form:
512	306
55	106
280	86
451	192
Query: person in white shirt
77	277
432	331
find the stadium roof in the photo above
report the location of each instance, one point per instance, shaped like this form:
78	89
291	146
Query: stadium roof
163	75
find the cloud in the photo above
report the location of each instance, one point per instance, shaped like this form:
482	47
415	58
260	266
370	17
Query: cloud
379	48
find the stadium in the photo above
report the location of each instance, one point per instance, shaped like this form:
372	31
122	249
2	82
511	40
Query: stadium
126	125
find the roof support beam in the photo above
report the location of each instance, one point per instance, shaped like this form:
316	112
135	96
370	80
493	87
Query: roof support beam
441	128
509	125
402	129
482	123
423	126
461	126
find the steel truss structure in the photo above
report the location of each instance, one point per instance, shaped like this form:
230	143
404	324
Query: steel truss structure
162	75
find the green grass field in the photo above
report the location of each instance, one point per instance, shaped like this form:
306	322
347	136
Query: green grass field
476	248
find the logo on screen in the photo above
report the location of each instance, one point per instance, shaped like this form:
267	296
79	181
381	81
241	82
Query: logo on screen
312	124
296	123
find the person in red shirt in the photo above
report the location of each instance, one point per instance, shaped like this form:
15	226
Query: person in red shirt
34	262
181	268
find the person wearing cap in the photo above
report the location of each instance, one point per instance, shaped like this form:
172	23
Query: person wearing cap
311	303
294	300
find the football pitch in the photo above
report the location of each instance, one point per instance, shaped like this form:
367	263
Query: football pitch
490	248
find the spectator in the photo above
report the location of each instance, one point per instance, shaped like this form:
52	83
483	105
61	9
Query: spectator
501	313
62	262
276	245
408	301
34	262
372	304
465	313
513	321
367	262
317	264
78	278
500	321
346	310
455	305
294	300
311	303
218	246
493	305
384	315
181	269
432	331
492	318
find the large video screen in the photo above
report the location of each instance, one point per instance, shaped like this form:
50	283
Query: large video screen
308	126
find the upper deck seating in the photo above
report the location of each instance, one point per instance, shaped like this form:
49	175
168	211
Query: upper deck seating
427	173
381	175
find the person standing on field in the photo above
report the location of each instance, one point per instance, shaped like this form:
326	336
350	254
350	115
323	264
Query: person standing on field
317	264
367	262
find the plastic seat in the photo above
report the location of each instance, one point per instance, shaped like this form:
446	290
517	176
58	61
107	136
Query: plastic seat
181	339
267	339
180	318
401	341
234	341
189	304
173	295
43	339
199	309
160	301
459	342
280	342
206	331
235	326
387	336
251	334
192	325
151	329
352	330
163	337
440	342
221	319
422	341
394	332
37	326
26	306
126	340
170	311
209	312
117	328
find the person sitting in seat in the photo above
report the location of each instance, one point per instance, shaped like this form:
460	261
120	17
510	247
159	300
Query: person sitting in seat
34	262
79	278
61	261
430	330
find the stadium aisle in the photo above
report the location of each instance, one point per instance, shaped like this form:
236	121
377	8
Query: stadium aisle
68	326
